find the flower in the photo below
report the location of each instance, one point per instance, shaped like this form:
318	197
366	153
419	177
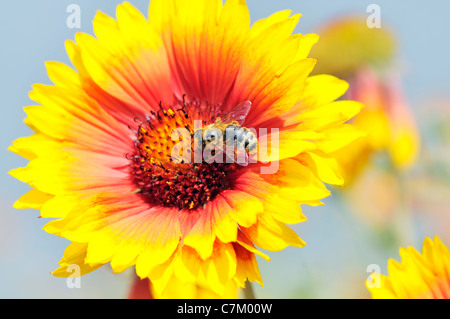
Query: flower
388	122
100	158
347	44
140	289
417	276
364	57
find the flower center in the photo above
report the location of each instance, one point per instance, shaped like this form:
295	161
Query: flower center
167	181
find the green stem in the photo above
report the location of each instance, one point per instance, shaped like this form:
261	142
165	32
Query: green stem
248	291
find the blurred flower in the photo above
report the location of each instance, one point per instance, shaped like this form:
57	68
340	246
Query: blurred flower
403	146
140	289
387	120
100	159
364	56
417	276
347	44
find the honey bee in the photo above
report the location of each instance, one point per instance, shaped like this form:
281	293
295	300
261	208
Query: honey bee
227	135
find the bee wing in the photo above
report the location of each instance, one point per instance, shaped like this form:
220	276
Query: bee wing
230	154
237	113
238	156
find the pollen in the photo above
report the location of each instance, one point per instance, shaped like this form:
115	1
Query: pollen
159	178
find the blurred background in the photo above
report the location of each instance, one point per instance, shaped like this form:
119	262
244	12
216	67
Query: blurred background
398	178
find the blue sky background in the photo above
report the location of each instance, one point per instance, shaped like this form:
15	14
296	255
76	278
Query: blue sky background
332	265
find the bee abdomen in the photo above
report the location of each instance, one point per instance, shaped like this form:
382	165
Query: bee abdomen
251	143
239	135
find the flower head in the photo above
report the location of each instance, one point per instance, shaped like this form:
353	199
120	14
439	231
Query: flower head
347	44
417	276
101	159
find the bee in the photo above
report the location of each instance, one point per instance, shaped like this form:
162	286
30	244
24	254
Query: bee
227	135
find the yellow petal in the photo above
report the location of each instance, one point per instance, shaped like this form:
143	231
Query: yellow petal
260	26
33	199
74	254
323	166
244	208
300	183
328	115
220	268
337	137
187	264
272	235
279	145
247	267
